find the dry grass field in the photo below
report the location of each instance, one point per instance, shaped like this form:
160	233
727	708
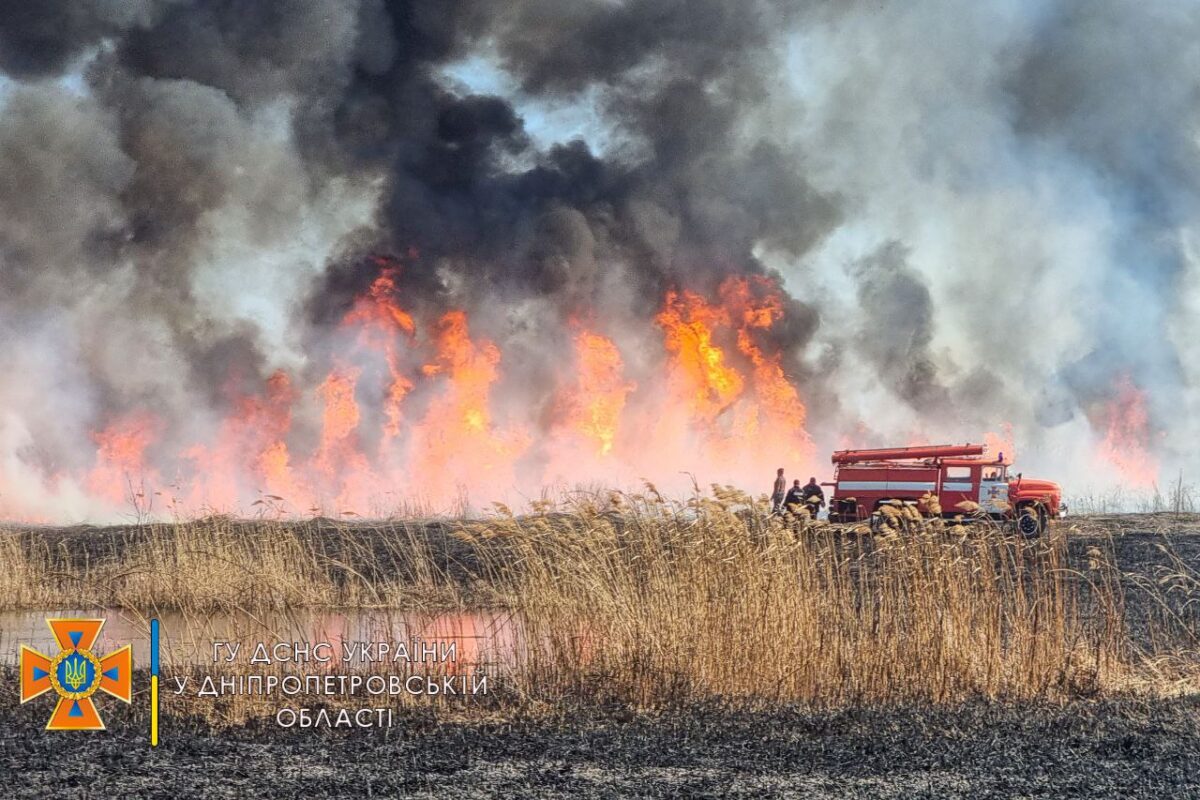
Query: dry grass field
648	603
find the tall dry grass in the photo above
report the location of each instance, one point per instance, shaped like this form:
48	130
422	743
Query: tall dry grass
655	602
644	601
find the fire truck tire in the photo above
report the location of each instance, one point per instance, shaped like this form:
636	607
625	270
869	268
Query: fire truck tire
1031	523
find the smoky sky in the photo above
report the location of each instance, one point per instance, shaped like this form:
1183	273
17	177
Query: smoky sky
974	209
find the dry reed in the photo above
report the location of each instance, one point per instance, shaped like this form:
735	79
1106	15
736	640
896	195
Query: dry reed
665	602
647	602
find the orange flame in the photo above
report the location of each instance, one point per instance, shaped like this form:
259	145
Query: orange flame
253	434
339	459
600	391
121	456
339	418
688	321
778	395
1127	434
456	438
377	311
274	461
766	418
379	317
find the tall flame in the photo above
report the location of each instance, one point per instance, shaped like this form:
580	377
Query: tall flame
760	306
412	408
700	367
1126	424
380	318
456	440
599	395
274	418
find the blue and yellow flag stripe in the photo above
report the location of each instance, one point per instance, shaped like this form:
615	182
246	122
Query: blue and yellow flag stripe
154	683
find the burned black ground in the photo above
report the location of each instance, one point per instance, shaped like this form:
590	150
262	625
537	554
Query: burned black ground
1118	748
1098	747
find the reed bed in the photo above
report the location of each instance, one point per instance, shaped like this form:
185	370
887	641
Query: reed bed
652	603
641	601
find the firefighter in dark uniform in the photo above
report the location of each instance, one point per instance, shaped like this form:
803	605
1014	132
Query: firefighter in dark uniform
813	496
795	495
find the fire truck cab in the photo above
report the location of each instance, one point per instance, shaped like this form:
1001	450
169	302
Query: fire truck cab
960	477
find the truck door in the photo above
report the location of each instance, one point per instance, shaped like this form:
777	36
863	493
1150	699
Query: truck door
958	485
993	489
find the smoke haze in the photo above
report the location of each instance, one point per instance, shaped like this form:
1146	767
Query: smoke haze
341	252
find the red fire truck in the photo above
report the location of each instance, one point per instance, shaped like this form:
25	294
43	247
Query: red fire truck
958	475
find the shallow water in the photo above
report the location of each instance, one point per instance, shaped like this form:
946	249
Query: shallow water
480	638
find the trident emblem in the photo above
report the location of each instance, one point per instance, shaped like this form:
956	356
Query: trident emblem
76	674
76	670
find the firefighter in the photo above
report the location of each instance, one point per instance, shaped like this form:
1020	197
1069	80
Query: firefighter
811	493
777	492
795	495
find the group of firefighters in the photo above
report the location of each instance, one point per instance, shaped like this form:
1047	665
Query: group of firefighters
809	495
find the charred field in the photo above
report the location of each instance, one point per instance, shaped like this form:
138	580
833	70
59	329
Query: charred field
943	661
1111	748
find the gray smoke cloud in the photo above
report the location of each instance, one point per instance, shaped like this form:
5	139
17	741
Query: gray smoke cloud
896	328
983	216
1037	162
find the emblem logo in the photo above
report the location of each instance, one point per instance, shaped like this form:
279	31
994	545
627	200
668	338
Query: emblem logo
76	674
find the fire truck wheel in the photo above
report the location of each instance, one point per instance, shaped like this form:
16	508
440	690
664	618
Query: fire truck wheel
1030	523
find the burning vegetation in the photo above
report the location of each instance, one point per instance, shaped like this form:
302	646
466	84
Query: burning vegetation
1128	439
407	410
